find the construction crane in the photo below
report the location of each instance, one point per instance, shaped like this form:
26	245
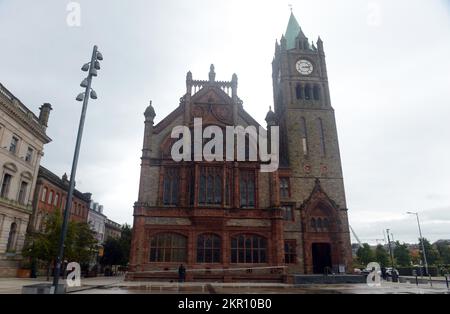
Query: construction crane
356	237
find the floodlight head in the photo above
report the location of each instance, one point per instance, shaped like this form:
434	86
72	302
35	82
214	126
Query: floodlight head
93	72
93	94
84	83
85	67
99	56
97	65
80	97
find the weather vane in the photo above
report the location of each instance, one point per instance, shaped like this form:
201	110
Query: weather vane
291	7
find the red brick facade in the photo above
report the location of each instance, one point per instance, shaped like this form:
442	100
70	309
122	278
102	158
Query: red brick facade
51	195
228	220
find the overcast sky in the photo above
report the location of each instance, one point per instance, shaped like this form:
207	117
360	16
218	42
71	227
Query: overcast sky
388	65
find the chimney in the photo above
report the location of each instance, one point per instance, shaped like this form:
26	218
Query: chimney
45	114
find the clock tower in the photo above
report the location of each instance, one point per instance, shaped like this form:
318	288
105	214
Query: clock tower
309	151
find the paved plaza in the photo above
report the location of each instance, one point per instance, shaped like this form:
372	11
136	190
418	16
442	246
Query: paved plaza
117	285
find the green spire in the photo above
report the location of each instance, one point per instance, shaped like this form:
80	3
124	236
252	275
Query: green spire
292	32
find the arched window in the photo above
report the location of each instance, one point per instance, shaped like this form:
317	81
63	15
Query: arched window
168	248
247	188
326	224
11	238
319	224
299	91
248	249
210	190
316	92
171	186
209	248
44	195
308	95
50	197
304	135
321	137
56	200
313	224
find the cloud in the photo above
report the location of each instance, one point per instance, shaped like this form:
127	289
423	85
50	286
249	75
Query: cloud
388	82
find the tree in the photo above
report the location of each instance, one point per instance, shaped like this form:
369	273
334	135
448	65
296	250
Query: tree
117	251
125	243
402	255
431	252
365	254
381	256
78	245
444	251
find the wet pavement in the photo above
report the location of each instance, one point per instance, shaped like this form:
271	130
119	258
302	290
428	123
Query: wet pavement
117	285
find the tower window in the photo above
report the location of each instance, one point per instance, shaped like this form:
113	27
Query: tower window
299	92
308	95
304	136
316	92
321	137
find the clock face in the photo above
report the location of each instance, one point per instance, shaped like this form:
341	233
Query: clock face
304	67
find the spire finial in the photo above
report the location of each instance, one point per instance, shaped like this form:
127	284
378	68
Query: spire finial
212	73
291	7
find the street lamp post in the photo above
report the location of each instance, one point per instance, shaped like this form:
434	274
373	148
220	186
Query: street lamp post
91	68
421	240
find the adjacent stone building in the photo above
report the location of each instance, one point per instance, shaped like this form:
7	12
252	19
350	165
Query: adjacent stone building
97	221
51	195
22	139
112	230
219	218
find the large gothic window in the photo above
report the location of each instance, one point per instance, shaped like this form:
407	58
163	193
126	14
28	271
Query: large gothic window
168	248
208	248
171	186
210	188
248	249
247	188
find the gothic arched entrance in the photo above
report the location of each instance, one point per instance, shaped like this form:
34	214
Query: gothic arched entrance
321	256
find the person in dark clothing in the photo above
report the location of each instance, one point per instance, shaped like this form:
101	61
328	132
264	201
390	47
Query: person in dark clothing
181	273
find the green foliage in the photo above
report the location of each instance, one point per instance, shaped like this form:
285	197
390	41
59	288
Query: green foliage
117	251
381	256
78	245
402	255
444	252
365	254
431	252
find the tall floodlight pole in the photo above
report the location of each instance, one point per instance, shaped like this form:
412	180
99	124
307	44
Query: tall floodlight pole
390	249
92	68
422	241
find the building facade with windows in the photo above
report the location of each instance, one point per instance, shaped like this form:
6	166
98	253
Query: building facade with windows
219	217
22	139
51	196
112	230
97	221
